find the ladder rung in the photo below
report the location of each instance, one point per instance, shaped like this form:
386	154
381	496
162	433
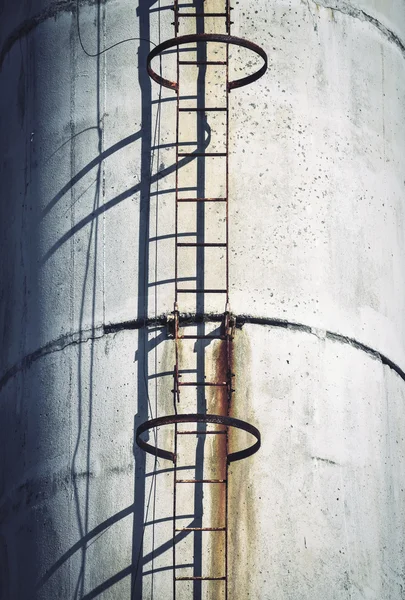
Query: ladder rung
200	480
202	529
202	153
195	431
202	62
201	199
202	337
202	14
203	383
200	578
200	291
202	244
205	109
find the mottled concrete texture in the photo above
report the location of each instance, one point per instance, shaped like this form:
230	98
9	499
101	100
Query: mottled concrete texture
317	278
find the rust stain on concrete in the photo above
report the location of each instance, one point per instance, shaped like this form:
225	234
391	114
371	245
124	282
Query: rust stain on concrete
242	496
218	492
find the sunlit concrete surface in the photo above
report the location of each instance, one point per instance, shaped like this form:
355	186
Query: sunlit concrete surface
317	285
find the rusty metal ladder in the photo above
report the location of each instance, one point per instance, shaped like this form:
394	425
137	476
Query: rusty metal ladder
226	339
225	336
225	376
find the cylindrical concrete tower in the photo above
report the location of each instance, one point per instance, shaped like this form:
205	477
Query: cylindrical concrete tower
316	257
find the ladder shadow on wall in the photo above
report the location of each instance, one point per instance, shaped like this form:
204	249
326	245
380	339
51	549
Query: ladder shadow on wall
143	568
140	566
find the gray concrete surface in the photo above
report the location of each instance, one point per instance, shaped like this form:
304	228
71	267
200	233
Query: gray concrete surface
316	225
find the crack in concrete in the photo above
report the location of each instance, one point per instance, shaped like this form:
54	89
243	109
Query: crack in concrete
356	13
57	8
325	460
188	319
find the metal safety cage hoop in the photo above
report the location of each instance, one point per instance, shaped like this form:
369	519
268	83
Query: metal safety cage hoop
207	37
198	418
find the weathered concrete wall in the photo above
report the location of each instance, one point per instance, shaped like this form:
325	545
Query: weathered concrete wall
316	224
327	482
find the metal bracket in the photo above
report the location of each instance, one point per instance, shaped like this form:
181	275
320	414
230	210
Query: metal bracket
229	324
172	323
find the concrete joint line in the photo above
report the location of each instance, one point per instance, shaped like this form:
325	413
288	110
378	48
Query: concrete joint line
101	331
328	335
63	6
55	346
346	9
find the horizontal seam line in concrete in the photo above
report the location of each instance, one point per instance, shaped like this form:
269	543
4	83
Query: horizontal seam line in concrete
63	6
188	319
356	13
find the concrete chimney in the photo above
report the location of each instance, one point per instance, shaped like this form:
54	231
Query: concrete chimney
316	289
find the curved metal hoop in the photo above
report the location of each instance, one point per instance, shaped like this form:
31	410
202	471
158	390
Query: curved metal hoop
197	418
207	37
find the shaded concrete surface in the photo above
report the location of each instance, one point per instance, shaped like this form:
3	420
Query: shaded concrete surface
86	238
